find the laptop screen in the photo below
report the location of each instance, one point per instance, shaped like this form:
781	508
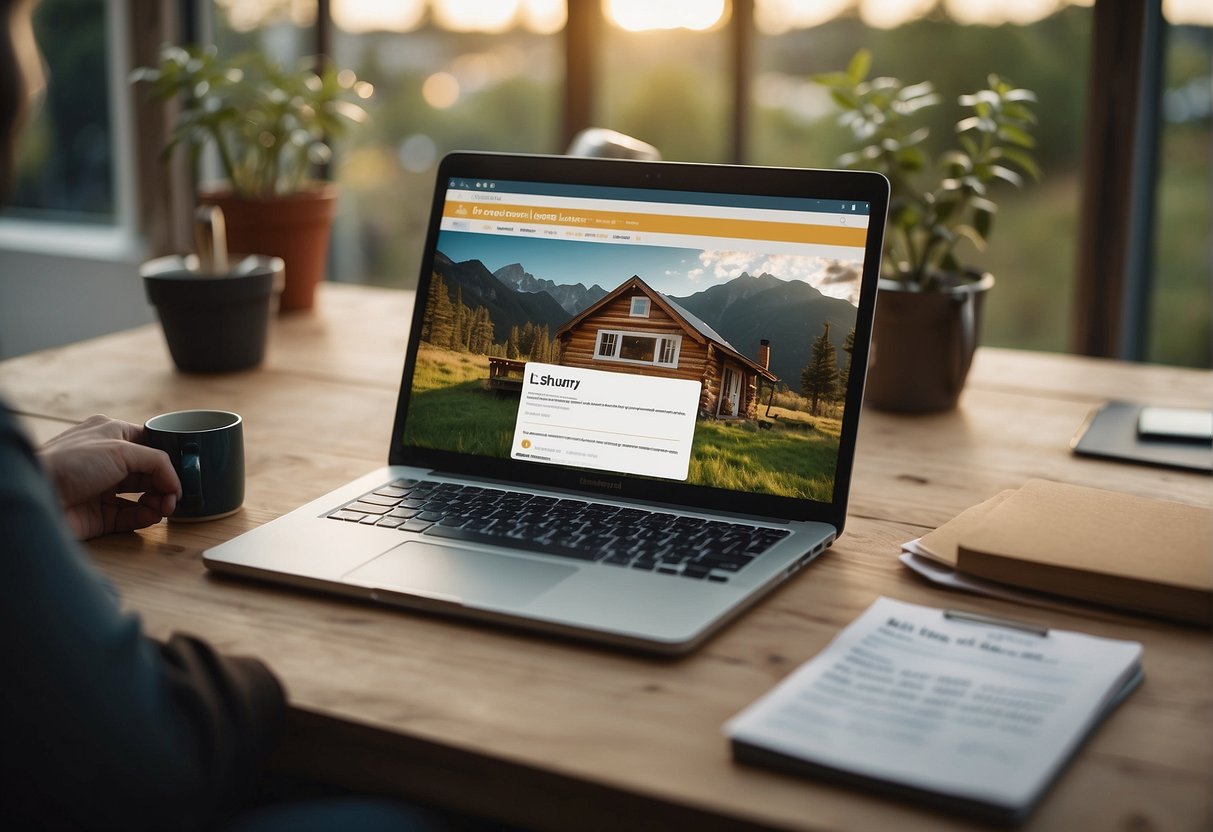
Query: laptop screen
641	339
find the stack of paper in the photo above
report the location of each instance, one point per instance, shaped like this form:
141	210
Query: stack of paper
1132	553
952	709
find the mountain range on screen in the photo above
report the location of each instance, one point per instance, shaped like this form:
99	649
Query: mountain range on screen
573	298
788	313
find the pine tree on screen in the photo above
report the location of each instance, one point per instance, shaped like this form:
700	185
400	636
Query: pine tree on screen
819	378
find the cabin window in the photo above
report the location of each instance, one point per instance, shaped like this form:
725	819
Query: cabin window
640	307
608	342
637	348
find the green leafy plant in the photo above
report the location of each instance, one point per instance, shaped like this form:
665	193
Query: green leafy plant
270	125
930	214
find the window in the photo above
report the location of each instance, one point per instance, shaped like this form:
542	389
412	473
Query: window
705	85
638	348
1032	250
283	29
447	76
64	170
640	307
71	217
608	343
1177	329
665	76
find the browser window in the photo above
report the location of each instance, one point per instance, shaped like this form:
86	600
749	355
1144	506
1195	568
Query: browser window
693	337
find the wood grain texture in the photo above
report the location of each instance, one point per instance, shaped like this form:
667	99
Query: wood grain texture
559	735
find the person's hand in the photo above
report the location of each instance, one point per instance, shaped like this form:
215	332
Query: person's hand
100	458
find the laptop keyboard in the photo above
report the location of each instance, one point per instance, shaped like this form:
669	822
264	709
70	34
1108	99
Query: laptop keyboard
691	547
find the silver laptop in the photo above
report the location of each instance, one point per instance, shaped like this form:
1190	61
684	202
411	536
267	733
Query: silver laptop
629	401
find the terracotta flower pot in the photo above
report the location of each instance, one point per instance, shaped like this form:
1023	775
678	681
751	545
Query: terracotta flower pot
295	227
923	343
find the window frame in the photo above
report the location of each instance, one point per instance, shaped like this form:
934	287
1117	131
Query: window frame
43	261
117	240
615	338
1119	177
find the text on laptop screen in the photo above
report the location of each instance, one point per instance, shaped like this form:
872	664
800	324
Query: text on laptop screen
690	337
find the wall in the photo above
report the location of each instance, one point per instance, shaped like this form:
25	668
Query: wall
52	299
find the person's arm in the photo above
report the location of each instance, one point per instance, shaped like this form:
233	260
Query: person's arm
101	727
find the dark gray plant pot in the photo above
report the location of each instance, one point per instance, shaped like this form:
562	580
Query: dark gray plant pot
214	324
923	343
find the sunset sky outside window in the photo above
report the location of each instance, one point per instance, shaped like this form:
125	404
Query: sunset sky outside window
548	16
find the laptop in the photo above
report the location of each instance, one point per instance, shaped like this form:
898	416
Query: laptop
629	403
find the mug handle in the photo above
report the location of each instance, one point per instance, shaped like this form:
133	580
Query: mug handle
191	478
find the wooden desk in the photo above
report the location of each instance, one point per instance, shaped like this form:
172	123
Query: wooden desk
557	735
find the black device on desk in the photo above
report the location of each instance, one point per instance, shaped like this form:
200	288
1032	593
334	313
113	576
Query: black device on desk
1166	437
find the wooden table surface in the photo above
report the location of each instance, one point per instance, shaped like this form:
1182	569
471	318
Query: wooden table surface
553	734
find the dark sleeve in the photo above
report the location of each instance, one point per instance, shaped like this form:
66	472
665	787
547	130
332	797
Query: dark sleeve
101	727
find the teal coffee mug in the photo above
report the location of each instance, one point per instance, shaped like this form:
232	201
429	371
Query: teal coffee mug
206	448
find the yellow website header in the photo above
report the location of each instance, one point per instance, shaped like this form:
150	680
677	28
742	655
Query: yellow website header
623	221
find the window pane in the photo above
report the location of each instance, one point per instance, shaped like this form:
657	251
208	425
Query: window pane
1032	250
447	74
1179	314
443	81
637	347
606	343
282	29
668	87
64	165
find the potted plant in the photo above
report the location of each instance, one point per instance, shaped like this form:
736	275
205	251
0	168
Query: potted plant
215	312
269	127
928	313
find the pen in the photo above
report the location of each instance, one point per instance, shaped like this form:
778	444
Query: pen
978	618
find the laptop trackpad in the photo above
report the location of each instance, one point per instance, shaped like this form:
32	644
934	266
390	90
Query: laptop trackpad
479	578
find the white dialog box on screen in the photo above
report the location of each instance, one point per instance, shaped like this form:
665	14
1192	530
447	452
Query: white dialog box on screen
612	421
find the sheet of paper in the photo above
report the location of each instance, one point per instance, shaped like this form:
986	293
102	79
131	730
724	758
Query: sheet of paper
907	695
947	577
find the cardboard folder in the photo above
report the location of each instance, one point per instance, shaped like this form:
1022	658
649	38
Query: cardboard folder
1138	554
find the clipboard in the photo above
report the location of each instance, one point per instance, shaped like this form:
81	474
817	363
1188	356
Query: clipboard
954	709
